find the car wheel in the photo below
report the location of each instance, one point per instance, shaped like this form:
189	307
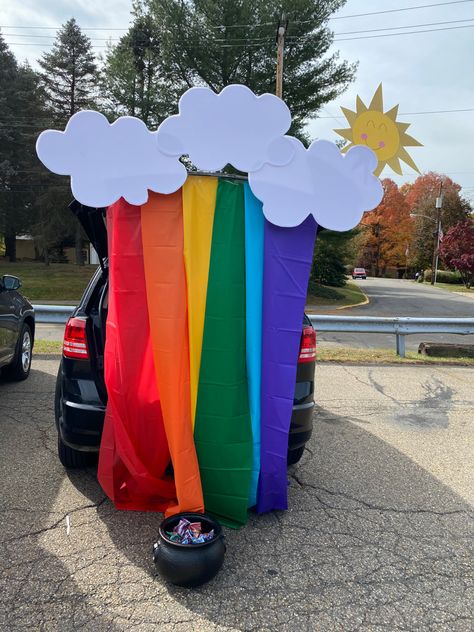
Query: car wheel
73	459
294	456
19	369
70	458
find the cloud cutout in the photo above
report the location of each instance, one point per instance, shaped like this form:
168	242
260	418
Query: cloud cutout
234	126
335	188
108	161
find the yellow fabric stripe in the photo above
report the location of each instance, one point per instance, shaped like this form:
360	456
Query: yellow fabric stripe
199	201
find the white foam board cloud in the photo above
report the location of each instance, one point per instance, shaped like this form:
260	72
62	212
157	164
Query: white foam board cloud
107	161
233	127
335	188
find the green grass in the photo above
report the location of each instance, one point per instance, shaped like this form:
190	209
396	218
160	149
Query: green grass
57	282
339	354
350	294
383	356
47	346
451	287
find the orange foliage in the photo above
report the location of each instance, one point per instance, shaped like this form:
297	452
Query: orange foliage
388	230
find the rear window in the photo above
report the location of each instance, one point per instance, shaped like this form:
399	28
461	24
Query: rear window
361	270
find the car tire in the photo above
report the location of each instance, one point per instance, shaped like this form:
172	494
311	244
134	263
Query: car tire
294	456
70	458
19	369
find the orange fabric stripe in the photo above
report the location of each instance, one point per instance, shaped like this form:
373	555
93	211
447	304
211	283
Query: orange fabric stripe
163	244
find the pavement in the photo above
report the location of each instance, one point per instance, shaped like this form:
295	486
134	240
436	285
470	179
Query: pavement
378	536
398	297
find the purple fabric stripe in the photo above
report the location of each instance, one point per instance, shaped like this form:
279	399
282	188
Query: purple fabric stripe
287	265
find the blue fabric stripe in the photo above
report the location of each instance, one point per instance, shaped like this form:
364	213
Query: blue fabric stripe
254	245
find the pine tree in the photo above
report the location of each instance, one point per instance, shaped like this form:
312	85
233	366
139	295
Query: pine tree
134	83
21	119
69	75
219	42
8	144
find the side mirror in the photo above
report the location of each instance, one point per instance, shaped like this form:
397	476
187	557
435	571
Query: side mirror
10	282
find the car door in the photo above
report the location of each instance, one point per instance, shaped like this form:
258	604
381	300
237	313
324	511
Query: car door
9	320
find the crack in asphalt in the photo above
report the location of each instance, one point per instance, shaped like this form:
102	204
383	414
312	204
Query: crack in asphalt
336	562
372	506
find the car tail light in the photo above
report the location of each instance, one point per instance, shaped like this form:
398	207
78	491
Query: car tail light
75	339
308	345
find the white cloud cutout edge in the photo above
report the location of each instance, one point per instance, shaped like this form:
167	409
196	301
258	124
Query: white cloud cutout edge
335	188
124	159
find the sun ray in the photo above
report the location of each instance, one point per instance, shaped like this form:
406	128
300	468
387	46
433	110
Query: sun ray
350	115
360	106
347	147
379	169
402	126
409	141
392	114
405	156
345	133
377	100
394	163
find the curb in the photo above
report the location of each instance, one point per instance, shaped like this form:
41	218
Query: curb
366	301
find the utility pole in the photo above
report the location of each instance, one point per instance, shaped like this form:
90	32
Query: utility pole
439	204
280	40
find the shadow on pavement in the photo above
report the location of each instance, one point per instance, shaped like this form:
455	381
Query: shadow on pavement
370	539
37	589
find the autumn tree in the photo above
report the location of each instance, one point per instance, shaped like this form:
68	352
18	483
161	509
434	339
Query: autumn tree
421	200
457	250
387	231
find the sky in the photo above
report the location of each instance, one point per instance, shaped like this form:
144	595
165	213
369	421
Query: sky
422	72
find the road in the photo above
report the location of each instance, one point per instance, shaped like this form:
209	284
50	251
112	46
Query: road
397	297
378	536
388	297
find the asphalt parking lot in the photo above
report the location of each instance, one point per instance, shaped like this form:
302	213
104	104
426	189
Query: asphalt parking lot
378	536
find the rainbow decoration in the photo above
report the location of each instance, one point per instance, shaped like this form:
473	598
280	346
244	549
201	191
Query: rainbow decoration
206	304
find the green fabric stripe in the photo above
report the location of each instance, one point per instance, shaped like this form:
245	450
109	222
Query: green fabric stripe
223	432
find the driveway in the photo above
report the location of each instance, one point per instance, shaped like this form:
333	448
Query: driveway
397	297
378	536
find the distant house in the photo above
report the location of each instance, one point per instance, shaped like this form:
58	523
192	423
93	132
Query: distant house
26	251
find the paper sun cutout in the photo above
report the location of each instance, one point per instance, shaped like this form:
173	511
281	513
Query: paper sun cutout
108	161
381	132
235	127
320	181
124	159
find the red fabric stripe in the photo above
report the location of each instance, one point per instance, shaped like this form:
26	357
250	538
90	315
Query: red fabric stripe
134	451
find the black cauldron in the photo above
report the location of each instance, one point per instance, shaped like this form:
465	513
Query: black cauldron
189	565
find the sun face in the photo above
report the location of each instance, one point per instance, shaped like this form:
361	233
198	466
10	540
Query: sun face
381	132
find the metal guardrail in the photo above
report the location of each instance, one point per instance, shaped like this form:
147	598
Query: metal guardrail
53	314
398	326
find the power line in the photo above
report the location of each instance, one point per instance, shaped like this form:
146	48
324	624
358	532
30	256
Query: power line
410	26
236	26
250	44
420	6
56	28
448	28
261	39
413	113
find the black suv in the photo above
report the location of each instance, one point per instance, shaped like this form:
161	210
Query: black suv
81	394
17	329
